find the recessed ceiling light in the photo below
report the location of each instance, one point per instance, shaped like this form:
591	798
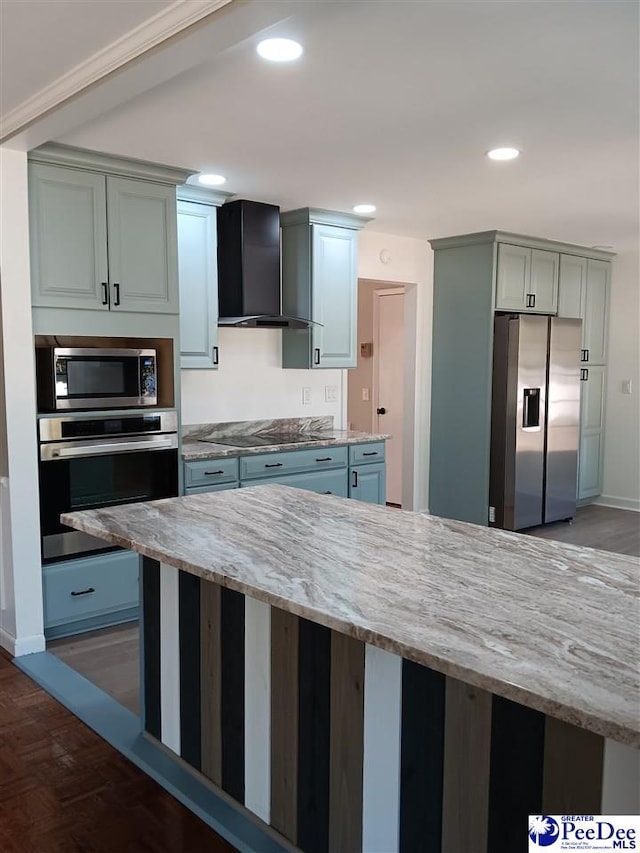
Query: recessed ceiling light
279	50
503	153
212	180
364	208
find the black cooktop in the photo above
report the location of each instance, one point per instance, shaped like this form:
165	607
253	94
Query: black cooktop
266	440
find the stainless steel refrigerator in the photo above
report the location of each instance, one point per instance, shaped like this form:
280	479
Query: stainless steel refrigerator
535	420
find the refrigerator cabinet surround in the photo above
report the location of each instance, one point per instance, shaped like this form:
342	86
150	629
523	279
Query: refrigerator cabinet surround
534	422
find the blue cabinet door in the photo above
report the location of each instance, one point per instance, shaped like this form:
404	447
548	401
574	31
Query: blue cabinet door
321	482
334	283
198	285
368	483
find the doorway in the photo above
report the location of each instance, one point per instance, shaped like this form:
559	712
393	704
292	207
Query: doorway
381	389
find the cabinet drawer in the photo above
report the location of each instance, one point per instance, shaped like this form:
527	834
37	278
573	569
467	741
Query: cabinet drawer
323	482
200	490
360	454
209	472
292	462
87	587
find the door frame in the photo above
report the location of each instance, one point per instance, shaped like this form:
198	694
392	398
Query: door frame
398	290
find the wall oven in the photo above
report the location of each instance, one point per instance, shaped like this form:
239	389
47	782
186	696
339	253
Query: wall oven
95	378
88	462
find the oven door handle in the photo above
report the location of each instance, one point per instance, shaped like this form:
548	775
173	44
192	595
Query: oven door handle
106	449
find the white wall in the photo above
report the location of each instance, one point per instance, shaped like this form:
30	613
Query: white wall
250	383
21	628
409	261
622	438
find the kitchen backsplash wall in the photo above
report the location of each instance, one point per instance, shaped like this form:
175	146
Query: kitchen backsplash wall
250	383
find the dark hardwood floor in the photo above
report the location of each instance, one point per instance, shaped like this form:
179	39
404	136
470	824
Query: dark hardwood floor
615	530
65	790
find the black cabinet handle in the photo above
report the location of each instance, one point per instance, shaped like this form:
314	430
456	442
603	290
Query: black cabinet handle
381	411
83	591
354	483
327	493
215	356
116	287
273	465
371	453
586	355
584	374
533	300
324	459
105	293
212	473
316	355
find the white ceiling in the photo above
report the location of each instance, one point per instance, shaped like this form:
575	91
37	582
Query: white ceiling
397	102
42	39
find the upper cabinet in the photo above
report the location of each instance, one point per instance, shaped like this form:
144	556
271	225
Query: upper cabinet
198	276
320	283
527	280
584	293
102	241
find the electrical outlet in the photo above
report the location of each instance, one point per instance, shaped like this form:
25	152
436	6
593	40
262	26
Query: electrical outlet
330	393
626	386
306	395
365	395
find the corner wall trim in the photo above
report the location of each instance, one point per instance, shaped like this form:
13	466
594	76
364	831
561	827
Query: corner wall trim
147	35
18	647
618	503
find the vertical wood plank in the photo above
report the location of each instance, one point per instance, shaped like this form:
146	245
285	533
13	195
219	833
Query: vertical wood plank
422	757
232	698
190	686
211	682
346	744
257	714
151	645
573	766
169	658
314	678
517	752
467	740
284	722
381	763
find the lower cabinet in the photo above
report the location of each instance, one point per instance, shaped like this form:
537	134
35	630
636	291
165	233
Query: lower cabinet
91	592
368	483
354	471
323	482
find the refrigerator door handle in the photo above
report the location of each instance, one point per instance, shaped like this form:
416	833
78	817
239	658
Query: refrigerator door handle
531	409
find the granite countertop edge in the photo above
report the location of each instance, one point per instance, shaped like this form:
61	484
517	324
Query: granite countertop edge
193	450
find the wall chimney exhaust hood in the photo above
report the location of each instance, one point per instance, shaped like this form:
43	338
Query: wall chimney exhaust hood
249	267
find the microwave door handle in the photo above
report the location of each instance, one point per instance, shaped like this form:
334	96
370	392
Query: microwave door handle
105	449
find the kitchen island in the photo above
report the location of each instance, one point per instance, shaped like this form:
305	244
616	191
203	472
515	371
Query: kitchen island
362	678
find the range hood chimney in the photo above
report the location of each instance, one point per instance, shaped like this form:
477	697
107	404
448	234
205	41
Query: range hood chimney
249	267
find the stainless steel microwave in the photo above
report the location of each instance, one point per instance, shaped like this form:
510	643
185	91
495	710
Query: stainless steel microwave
95	378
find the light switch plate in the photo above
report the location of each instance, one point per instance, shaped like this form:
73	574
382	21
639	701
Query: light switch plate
306	395
626	386
330	393
365	395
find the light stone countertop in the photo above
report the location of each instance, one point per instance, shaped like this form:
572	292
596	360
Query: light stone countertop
193	448
552	626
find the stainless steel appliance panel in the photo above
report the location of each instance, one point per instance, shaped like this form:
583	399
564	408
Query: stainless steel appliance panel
563	419
532	335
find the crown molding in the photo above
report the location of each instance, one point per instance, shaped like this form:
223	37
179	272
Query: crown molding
318	216
479	237
149	34
203	195
80	158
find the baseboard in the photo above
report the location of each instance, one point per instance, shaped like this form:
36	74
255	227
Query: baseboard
22	646
618	503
